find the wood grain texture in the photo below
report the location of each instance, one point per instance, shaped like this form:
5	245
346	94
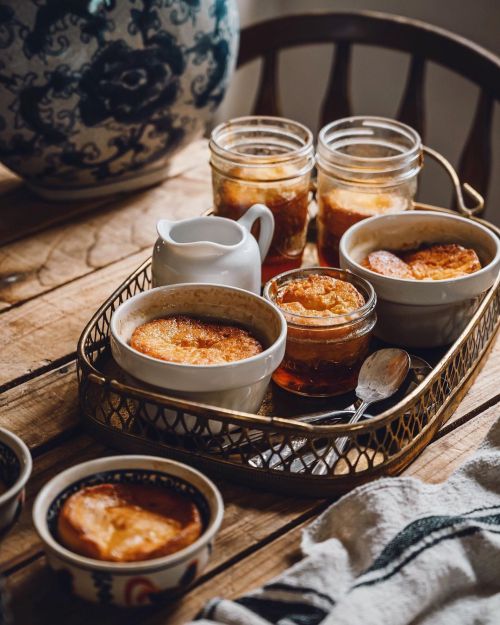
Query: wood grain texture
441	458
22	542
37	214
43	408
250	516
50	605
47	328
47	260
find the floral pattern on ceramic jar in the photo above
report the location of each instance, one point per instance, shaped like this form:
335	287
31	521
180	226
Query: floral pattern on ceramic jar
366	166
265	160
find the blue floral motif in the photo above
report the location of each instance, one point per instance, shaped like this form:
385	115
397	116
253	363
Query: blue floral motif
145	73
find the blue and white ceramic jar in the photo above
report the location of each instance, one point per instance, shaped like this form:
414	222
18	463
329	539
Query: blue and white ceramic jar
96	96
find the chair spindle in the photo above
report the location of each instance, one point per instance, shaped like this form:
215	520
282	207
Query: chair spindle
267	101
337	100
475	162
412	107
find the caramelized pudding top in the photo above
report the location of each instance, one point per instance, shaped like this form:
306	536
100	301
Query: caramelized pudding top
319	296
435	262
193	341
128	522
364	204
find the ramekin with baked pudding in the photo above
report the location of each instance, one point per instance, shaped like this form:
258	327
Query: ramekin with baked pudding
135	528
330	315
207	343
429	270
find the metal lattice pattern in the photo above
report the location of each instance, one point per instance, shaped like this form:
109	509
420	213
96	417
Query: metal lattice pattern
284	453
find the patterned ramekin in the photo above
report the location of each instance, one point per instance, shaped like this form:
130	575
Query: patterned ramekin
15	469
131	583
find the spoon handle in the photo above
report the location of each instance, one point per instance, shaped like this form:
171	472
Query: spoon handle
322	466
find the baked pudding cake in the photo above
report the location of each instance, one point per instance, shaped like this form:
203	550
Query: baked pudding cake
329	329
434	262
128	522
189	340
319	296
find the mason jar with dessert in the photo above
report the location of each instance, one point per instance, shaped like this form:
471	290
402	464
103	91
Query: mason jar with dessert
265	160
366	166
330	315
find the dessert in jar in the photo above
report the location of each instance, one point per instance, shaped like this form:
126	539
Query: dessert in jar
330	315
266	160
366	166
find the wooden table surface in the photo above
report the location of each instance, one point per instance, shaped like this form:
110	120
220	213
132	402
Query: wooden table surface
58	262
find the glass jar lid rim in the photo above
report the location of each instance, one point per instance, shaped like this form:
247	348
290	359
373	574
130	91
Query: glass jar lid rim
251	122
378	122
323	322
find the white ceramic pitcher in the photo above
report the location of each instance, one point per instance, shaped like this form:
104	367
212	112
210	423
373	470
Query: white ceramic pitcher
213	249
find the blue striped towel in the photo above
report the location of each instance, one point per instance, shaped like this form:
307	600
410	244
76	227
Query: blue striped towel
393	552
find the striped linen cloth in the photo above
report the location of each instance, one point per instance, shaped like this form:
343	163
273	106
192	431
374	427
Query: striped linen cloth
393	552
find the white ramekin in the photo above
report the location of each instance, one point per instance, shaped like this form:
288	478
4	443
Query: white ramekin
238	385
16	465
148	582
422	313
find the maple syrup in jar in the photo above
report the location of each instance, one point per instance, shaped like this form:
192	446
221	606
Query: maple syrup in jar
265	160
366	166
330	315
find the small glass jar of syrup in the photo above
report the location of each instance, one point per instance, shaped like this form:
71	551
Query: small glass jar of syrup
266	160
366	166
323	354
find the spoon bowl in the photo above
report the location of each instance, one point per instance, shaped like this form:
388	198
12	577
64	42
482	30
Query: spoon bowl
380	376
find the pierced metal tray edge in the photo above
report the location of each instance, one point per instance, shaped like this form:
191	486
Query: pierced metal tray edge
321	485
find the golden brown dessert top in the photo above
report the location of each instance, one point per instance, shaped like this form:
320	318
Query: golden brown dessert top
319	296
387	264
128	522
436	262
193	341
364	204
441	262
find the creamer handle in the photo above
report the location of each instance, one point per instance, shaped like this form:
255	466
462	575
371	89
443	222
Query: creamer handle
259	211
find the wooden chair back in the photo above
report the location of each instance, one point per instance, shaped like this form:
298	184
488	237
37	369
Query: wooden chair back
422	41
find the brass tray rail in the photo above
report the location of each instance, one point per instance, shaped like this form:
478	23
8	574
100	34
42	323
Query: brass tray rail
276	452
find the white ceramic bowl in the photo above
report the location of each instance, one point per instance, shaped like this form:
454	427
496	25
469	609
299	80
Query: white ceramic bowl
15	469
131	583
417	313
238	385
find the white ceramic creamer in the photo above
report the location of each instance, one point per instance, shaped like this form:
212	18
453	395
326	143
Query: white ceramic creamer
213	249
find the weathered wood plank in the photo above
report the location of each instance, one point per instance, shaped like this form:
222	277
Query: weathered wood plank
41	331
37	214
442	457
43	408
22	542
52	606
250	516
58	255
481	390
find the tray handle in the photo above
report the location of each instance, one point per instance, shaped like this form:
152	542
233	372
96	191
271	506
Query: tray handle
464	210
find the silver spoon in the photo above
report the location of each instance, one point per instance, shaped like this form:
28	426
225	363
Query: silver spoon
380	376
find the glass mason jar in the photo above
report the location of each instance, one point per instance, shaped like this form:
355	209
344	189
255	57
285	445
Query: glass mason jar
266	160
366	166
323	355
